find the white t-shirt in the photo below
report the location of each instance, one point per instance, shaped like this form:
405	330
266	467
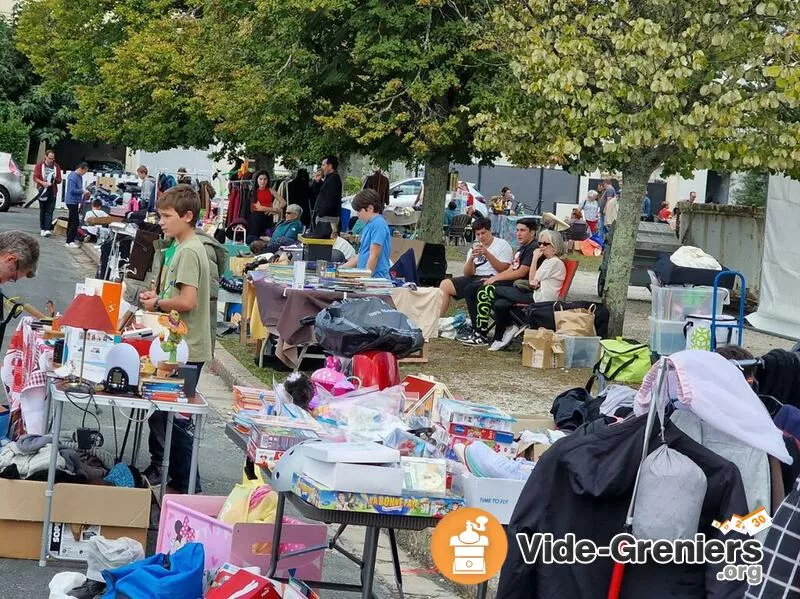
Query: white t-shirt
344	246
500	249
93	213
591	210
551	275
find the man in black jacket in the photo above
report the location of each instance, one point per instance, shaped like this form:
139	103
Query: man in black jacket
328	207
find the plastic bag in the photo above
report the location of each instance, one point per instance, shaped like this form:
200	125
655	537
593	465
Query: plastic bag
353	326
177	576
251	502
410	445
365	414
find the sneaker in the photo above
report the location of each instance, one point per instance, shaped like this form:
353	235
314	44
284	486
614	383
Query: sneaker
476	340
496	346
42	233
464	333
72	245
48	233
153	475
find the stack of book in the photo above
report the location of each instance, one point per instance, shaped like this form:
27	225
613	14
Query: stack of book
160	389
251	399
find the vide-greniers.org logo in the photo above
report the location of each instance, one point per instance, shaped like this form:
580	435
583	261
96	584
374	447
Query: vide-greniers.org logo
741	557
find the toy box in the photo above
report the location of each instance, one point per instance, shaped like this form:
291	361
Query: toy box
408	504
265	458
192	519
279	438
474	415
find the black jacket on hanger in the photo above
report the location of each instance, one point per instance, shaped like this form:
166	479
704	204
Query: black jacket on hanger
583	485
329	200
299	193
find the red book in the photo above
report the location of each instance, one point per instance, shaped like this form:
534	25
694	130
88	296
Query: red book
244	585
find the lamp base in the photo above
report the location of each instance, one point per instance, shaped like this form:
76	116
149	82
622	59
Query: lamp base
77	387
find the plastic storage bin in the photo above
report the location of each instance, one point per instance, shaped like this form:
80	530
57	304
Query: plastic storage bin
675	302
666	336
581	352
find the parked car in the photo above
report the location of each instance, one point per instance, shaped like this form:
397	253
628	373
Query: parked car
404	193
107	166
12	188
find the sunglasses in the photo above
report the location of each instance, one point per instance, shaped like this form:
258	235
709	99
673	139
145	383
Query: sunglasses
545	243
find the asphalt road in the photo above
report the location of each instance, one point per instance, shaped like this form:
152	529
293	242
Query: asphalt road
220	464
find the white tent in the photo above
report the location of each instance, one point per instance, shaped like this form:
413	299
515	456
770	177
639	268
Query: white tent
779	303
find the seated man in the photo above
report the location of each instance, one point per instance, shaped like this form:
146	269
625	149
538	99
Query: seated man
489	256
481	300
545	279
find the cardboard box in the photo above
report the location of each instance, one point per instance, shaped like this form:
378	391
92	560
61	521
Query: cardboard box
79	512
498	496
542	348
407	504
355	478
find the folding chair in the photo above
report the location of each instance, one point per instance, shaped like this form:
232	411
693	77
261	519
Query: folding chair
457	227
518	310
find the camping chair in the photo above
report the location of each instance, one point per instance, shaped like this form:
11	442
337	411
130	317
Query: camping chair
518	310
457	227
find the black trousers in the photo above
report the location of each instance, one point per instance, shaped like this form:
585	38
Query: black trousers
46	207
72	224
470	295
505	297
180	457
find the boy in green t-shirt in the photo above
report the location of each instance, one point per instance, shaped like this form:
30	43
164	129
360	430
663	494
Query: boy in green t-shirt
183	286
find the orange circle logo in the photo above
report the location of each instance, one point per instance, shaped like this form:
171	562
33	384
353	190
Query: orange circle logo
469	546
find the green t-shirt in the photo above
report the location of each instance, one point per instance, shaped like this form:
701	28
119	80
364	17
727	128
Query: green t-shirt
189	266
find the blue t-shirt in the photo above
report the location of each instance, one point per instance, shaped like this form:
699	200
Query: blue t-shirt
376	232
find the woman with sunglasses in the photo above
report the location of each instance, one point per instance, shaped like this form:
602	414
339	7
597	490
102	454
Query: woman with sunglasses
545	278
548	272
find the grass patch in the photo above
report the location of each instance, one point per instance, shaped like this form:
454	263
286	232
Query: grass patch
456	252
246	356
586	263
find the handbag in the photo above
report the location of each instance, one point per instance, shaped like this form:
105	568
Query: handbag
578	322
623	360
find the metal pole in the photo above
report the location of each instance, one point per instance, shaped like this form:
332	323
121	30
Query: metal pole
193	474
167	451
51	482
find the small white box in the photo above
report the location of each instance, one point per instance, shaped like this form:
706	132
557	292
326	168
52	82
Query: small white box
498	496
355	453
356	478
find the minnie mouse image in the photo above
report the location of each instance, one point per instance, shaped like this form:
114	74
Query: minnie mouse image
184	534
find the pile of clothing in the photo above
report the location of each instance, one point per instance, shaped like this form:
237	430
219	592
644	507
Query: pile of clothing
584	483
28	458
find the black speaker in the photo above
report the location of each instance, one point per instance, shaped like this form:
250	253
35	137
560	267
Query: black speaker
189	375
432	268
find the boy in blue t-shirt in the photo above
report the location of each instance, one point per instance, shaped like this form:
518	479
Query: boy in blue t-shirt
376	239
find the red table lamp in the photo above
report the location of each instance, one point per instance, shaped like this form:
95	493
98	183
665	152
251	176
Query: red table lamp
87	312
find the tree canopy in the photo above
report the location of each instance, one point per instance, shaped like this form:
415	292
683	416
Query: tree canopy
628	86
296	78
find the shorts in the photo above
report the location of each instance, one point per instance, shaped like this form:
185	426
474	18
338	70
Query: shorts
461	284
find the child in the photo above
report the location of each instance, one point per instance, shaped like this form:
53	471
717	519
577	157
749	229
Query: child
184	286
96	231
376	240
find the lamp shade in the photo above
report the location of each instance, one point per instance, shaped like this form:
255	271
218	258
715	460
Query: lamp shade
87	312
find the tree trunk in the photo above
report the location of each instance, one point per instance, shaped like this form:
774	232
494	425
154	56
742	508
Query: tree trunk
266	162
623	246
431	220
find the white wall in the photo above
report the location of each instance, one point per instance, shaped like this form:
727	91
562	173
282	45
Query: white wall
678	188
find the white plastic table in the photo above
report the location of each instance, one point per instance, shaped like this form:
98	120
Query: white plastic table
196	407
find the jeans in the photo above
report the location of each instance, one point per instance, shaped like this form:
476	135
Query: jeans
180	457
505	298
46	208
72	224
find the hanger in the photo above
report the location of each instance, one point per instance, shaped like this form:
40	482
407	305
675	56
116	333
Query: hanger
776	405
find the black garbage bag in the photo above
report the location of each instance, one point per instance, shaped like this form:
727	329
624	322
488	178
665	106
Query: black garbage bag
353	326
